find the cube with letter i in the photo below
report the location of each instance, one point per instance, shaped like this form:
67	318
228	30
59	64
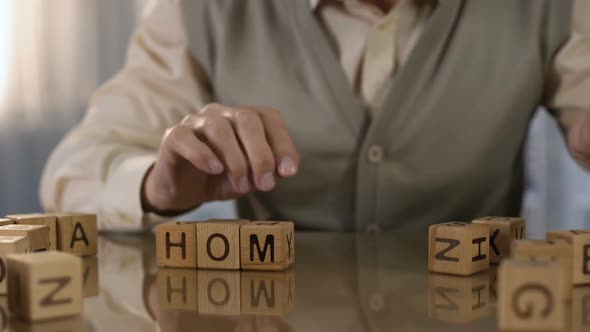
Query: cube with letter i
38	235
10	245
502	231
176	244
267	245
218	244
44	285
39	219
580	246
77	233
458	248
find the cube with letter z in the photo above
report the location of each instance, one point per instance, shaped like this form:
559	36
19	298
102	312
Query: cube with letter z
267	245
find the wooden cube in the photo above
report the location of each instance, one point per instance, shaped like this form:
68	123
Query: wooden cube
4	314
77	233
90	284
219	292
268	293
458	248
531	295
6	221
580	309
177	289
44	285
502	231
458	299
493	276
176	244
39	219
10	245
548	250
38	235
66	324
580	246
267	245
218	244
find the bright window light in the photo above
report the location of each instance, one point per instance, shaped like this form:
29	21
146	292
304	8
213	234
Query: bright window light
5	41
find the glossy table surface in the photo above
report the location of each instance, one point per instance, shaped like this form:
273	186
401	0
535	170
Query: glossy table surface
340	282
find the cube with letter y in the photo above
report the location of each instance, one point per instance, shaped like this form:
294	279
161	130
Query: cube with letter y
77	233
218	244
458	248
176	244
44	285
502	231
580	251
267	245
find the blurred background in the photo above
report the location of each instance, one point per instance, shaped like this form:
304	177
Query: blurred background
53	54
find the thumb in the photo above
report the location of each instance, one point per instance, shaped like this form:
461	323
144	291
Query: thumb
579	140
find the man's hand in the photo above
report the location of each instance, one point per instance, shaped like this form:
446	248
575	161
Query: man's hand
579	141
220	153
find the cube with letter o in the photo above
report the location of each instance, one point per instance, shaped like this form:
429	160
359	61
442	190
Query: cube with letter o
218	244
267	245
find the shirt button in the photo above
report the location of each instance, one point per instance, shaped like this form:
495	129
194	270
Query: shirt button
375	154
373	228
376	302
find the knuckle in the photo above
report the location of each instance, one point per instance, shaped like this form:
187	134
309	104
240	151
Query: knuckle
211	108
216	124
263	164
174	134
248	121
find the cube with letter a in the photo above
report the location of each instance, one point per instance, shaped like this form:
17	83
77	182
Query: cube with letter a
176	244
218	244
44	285
39	219
458	248
502	231
10	245
531	296
580	246
267	245
77	233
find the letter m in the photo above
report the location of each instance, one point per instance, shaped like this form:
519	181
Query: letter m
269	242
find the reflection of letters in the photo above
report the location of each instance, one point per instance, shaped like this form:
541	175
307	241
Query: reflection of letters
450	304
527	311
256	294
479	303
479	256
181	244
586	310
49	300
493	242
2	269
585	267
225	247
78	237
226	291
4	318
442	254
269	242
170	290
290	297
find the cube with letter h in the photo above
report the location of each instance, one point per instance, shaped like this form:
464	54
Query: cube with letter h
267	245
176	244
44	285
458	248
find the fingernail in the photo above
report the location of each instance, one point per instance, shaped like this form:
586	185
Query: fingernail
267	182
215	166
287	167
244	185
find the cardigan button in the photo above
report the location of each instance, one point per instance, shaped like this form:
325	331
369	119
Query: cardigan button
375	154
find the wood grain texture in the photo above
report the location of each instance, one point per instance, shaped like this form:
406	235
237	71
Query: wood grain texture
39	219
458	248
580	246
90	276
65	324
267	293
176	244
218	244
44	285
458	299
38	235
580	310
502	231
77	233
10	245
219	292
177	289
531	296
267	245
6	221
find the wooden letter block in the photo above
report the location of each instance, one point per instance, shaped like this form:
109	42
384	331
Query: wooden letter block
580	246
5	221
177	289
90	284
219	292
39	219
458	248
531	295
580	310
4	314
77	233
218	244
67	324
547	250
10	245
458	299
176	244
267	245
268	293
44	285
38	235
502	231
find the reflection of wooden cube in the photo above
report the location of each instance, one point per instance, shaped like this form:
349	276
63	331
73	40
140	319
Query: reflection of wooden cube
4	314
458	299
268	292
77	233
38	235
39	219
176	244
10	245
531	295
218	244
458	248
66	324
44	285
493	273
581	310
219	292
90	276
177	289
267	245
580	245
502	231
